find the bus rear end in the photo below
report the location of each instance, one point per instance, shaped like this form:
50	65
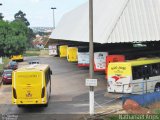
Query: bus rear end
72	54
28	88
100	61
119	77
113	58
17	58
83	59
63	51
83	56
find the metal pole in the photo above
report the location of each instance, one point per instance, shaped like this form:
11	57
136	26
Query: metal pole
91	98
53	20
91	38
53	17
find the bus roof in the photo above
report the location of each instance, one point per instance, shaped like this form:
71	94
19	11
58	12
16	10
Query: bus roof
139	62
33	67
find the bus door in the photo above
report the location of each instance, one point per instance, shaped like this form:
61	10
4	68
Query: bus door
138	85
146	78
151	76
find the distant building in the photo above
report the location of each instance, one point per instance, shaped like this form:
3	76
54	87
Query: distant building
40	41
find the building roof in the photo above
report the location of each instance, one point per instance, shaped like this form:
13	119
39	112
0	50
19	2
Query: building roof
115	21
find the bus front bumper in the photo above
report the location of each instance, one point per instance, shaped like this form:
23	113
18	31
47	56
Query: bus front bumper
28	101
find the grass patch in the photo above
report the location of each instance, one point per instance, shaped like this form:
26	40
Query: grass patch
32	53
157	111
33	49
129	117
44	52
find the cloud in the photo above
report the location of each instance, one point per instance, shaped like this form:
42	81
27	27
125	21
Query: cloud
34	1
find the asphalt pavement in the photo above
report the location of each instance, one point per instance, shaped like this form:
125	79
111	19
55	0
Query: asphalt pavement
69	94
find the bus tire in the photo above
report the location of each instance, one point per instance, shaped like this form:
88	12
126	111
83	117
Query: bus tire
46	105
3	83
157	87
19	106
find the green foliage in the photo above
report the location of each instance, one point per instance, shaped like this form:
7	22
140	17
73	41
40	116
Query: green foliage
1	16
157	111
21	16
30	37
15	36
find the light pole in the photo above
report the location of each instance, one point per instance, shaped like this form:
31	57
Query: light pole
91	55
1	57
53	8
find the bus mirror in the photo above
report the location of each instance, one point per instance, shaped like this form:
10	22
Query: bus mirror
51	72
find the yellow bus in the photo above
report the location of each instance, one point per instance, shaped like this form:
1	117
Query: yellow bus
31	85
135	76
72	54
63	50
17	57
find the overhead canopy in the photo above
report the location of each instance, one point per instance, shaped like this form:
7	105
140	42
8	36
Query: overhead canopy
115	21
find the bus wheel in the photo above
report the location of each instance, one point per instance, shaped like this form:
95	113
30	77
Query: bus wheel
157	88
19	106
45	105
3	83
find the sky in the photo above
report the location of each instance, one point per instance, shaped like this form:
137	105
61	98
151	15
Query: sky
38	12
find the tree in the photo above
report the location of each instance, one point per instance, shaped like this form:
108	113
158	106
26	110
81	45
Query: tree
31	36
13	37
1	16
21	16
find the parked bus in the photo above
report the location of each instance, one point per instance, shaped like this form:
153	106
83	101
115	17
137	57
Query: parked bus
31	85
113	58
83	56
52	50
72	54
63	50
135	76
100	61
17	57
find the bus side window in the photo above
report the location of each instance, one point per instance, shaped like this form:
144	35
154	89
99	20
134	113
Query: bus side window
158	68
137	72
155	69
47	76
147	71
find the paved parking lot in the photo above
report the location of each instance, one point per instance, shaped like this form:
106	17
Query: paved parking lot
69	93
